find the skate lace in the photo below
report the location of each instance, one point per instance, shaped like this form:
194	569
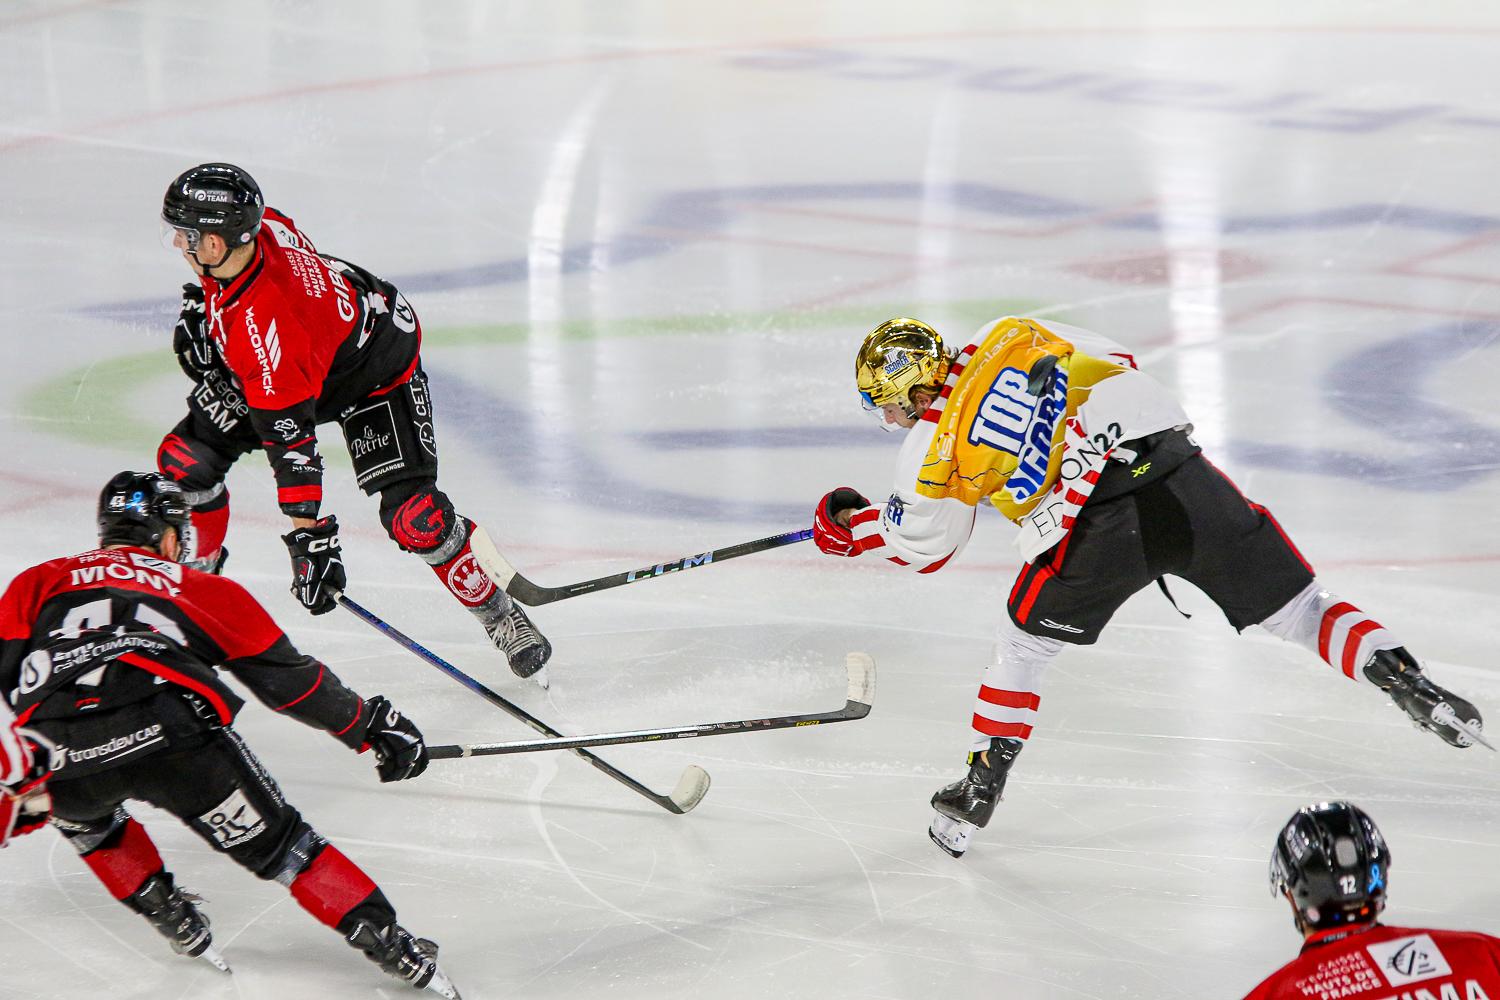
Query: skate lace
514	631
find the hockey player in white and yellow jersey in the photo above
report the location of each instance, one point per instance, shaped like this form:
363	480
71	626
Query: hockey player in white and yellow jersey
1093	461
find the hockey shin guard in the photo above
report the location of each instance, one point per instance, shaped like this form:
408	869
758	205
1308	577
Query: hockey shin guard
123	860
1010	692
336	891
1342	635
426	523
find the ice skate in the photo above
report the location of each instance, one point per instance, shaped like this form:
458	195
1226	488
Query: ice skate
952	835
967	804
1455	720
404	956
524	647
175	914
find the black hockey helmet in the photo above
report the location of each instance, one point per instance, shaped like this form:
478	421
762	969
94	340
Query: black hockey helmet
136	508
213	198
1332	863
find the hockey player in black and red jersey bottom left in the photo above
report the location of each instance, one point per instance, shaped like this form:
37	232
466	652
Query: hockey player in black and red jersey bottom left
278	339
107	659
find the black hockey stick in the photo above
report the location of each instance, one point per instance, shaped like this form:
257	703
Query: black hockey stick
513	583
691	787
856	706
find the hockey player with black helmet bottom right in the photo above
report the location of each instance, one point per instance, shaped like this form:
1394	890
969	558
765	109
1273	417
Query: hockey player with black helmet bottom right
1332	865
1093	460
278	339
110	659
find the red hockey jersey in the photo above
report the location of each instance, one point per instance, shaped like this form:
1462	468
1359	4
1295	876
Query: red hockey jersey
212	617
1390	963
306	335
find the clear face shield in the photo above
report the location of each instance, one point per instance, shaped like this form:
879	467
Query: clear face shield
179	239
884	414
184	240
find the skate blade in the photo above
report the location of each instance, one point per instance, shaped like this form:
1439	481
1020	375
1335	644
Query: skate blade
212	957
952	835
542	680
442	986
1443	715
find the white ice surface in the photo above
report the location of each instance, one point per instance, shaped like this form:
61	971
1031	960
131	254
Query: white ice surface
644	240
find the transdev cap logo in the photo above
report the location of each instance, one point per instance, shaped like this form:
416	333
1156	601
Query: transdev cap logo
1409	959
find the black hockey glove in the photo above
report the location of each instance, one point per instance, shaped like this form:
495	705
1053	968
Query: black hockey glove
399	749
317	569
190	339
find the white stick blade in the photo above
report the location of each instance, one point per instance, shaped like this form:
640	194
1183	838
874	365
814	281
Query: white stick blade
490	559
861	669
691	788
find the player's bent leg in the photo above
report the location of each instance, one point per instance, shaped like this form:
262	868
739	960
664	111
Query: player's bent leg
1064	597
240	811
1004	713
338	893
1363	650
121	855
420	518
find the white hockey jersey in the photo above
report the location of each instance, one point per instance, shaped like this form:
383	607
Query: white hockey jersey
1034	455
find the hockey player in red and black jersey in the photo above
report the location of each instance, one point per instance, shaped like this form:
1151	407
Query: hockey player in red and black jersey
1332	865
279	339
108	660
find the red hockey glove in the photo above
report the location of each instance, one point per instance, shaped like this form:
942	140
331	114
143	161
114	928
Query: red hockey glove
25	806
830	536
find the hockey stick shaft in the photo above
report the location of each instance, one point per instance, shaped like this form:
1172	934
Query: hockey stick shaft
861	693
690	789
531	594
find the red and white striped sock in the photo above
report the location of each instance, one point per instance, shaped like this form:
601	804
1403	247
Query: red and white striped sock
1009	695
1340	633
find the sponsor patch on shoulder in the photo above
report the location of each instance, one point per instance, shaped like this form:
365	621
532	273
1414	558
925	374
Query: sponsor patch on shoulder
895	509
1409	959
172	571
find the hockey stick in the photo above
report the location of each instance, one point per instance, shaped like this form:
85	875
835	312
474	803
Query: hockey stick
513	583
856	706
691	787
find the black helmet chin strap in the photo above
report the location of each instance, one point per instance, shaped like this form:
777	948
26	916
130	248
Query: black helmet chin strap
209	268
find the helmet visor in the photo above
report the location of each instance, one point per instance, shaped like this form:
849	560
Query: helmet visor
179	238
883	414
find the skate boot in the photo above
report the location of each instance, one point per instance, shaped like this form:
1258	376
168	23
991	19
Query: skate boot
175	914
1456	721
515	636
967	804
408	958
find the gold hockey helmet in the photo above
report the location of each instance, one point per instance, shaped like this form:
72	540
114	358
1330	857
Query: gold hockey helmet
898	356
